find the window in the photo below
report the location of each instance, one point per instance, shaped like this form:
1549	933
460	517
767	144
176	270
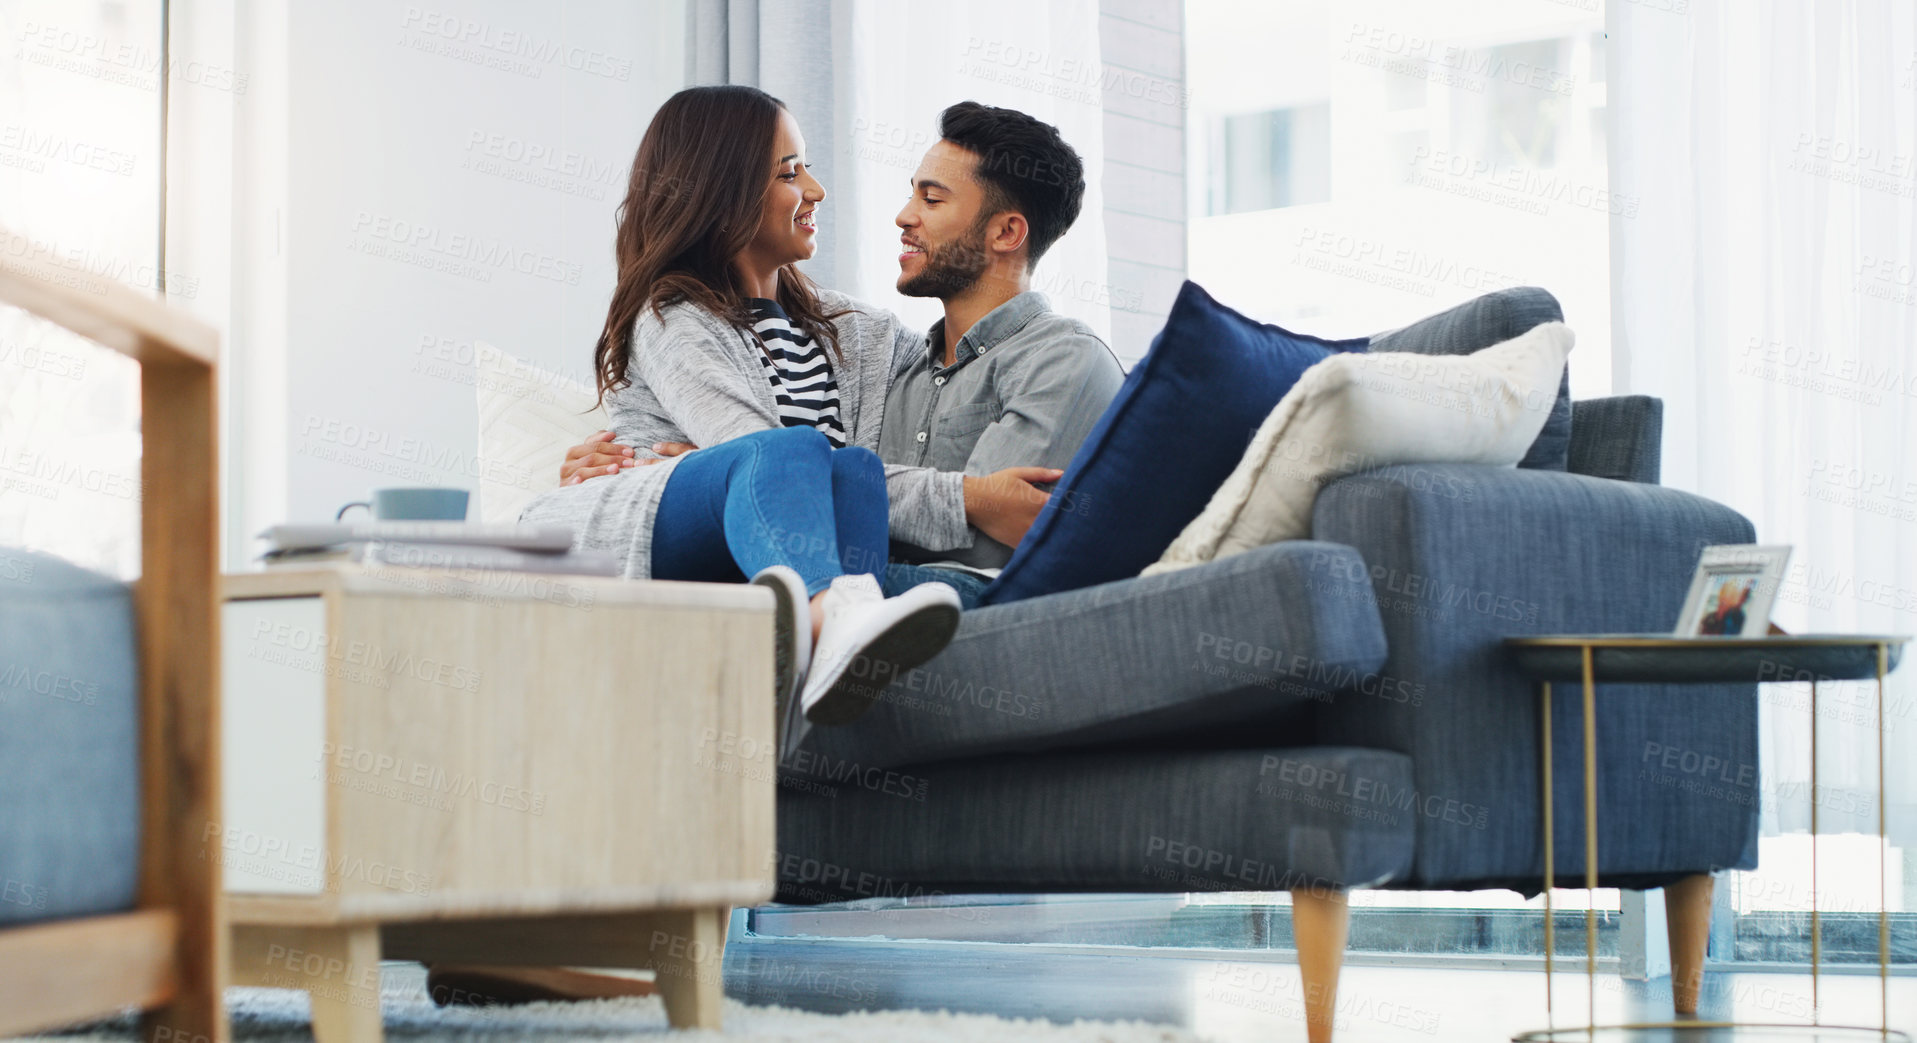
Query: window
1413	157
1264	160
80	191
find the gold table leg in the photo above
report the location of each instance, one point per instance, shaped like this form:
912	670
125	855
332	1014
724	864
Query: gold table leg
1590	843
1550	870
1817	933
1883	842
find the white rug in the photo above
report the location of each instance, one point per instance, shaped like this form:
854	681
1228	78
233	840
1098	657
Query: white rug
274	1015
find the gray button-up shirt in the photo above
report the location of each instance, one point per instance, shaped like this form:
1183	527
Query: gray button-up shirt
1025	387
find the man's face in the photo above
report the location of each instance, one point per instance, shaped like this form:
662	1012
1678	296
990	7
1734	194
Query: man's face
943	225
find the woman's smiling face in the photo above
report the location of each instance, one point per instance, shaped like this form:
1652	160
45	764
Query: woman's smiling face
788	229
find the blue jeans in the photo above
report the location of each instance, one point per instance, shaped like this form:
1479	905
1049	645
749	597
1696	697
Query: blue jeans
782	496
900	578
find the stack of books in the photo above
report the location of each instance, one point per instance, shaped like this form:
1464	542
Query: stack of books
436	545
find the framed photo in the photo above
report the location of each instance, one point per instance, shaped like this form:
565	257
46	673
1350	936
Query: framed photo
1732	591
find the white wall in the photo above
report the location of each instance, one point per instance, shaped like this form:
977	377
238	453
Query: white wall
405	181
1143	88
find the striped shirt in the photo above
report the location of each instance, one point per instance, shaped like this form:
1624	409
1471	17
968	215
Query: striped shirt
801	376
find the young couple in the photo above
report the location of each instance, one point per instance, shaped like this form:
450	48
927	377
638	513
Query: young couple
791	394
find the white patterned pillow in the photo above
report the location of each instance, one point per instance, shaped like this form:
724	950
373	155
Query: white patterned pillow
1357	411
528	417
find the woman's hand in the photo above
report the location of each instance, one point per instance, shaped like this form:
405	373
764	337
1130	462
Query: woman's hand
599	455
1004	504
595	456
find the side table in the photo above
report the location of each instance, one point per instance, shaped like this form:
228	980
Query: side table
490	768
1594	659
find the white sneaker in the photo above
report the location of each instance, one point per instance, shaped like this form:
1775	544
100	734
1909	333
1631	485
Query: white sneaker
792	649
869	640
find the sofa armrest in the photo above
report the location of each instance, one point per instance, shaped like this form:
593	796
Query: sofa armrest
1461	557
1620	437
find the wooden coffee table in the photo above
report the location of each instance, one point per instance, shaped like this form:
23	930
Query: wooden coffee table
490	768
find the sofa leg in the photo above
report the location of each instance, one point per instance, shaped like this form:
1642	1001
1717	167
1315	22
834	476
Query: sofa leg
1687	914
1320	919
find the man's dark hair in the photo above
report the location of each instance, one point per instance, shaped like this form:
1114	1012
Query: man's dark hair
1024	166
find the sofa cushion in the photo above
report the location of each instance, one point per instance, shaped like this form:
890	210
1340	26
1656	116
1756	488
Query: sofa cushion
1131	821
1621	438
1356	412
69	741
1176	429
1197	652
528	417
1492	319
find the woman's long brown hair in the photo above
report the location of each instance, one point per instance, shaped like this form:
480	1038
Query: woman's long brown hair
692	204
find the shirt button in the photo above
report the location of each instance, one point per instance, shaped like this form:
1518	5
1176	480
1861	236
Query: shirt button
938	381
921	436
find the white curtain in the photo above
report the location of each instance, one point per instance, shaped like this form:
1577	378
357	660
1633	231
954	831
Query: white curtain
1764	288
867	80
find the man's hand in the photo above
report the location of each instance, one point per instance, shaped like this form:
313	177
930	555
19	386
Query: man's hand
600	455
1004	504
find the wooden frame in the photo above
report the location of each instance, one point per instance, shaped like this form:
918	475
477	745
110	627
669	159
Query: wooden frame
168	956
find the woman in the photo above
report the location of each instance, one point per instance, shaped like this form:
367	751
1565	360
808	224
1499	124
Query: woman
715	338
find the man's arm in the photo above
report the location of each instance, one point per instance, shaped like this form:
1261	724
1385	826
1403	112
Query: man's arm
1001	505
1051	398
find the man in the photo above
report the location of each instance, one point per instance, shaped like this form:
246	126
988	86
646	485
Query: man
1009	388
1007	391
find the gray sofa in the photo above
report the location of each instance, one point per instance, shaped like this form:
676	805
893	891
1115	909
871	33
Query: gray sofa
1332	713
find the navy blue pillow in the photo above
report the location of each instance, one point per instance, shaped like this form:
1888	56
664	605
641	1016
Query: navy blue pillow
1180	423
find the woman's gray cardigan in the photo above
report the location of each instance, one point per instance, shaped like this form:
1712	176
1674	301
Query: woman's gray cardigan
697	378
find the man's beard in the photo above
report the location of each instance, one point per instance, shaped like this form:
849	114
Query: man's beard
951	269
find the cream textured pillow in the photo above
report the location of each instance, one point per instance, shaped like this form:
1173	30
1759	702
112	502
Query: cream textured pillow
1353	412
528	417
